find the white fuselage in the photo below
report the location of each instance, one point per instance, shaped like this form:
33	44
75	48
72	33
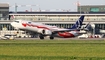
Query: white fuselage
38	27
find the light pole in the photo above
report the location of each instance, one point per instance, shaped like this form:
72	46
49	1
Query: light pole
79	7
16	8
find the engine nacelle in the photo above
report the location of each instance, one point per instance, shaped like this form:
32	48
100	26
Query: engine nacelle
45	31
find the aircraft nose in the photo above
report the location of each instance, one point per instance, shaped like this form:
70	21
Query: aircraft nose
12	24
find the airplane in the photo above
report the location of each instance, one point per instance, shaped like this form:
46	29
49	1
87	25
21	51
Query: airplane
47	30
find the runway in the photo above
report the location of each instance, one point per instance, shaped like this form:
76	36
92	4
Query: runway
60	39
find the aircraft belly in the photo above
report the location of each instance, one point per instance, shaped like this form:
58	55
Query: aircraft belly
67	35
56	35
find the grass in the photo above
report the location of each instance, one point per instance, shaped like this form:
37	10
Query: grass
52	50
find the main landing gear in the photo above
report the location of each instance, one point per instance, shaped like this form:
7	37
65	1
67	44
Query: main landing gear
41	36
51	37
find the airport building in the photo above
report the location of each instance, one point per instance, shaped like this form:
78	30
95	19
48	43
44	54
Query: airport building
4	11
91	8
60	19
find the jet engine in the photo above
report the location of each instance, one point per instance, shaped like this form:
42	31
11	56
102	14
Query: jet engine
45	31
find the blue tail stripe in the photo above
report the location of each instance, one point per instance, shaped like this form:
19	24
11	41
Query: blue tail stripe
78	23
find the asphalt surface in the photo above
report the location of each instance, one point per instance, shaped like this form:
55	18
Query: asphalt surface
61	39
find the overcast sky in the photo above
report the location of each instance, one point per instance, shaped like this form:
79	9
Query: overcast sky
50	4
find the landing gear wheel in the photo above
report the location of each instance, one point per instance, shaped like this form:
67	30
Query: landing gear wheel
41	37
51	37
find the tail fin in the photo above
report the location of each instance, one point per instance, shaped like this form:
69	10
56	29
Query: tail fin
78	23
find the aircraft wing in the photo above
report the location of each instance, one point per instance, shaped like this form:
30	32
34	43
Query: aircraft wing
62	30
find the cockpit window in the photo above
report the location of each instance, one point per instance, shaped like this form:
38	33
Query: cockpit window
16	21
29	22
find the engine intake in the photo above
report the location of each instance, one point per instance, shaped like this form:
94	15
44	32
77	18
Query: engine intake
45	31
